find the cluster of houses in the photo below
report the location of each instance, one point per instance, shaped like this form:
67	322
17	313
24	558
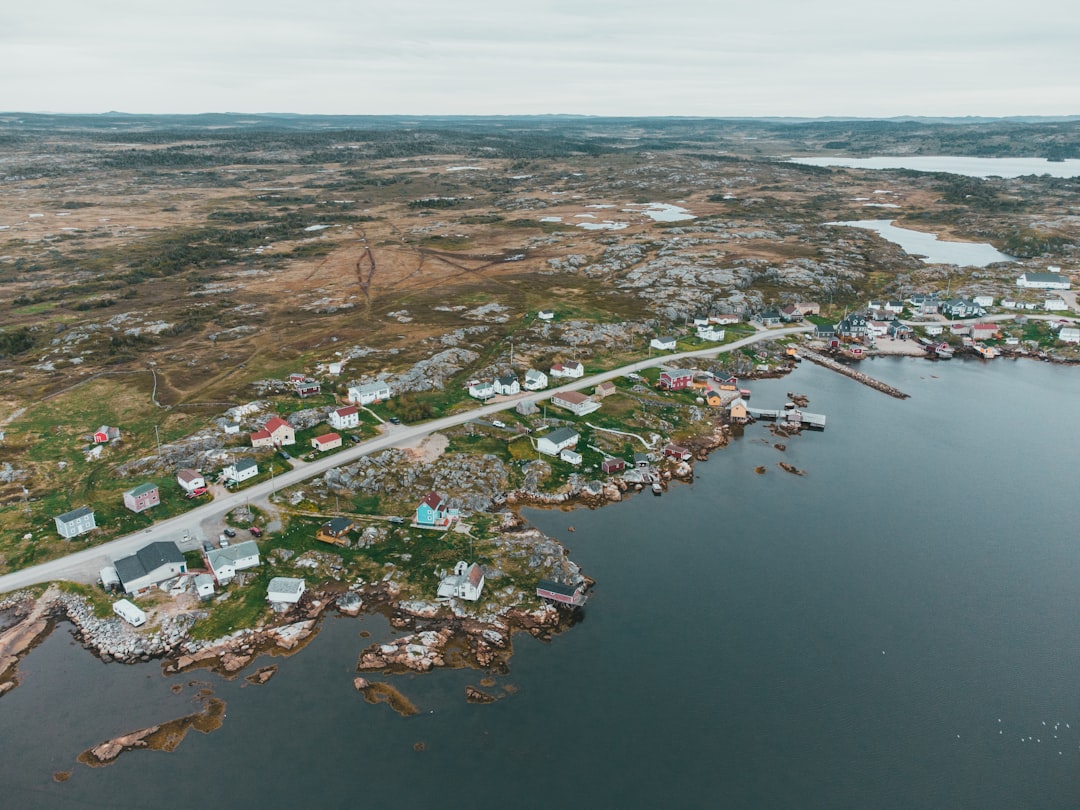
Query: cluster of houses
509	385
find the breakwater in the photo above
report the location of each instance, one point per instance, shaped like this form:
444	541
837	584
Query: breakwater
848	371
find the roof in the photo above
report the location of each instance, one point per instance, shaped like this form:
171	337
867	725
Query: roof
328	437
347	411
561	435
666	339
573	397
203	579
75	514
677	372
230	554
372	387
285	585
510	379
338	525
243	464
275	422
262	433
475	575
142	489
147	559
533	374
189	475
1051	277
432	499
556	587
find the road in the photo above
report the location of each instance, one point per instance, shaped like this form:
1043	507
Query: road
186	529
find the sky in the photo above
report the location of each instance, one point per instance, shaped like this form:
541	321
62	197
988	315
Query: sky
505	57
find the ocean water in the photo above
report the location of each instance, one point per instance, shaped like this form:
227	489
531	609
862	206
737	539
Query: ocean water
970	166
887	630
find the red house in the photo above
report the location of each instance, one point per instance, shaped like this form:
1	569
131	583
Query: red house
674	379
563	594
677	453
307	388
612	465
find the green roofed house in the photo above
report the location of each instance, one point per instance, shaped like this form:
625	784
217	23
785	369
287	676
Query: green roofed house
142	497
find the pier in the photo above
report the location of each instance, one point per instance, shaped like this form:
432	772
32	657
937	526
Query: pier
858	376
790	416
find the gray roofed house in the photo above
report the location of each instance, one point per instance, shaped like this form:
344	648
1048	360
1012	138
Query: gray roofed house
77	521
225	562
285	590
150	565
556	441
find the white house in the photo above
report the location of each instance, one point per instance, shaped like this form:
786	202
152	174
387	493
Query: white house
1043	281
204	586
482	389
1069	334
575	402
328	441
76	522
983	301
1055	304
225	562
507	385
571	370
664	344
558	440
190	480
535	380
285	590
129	612
545	314
334	368
345	418
933	328
570	456
241	470
465	583
369	392
148	566
711	332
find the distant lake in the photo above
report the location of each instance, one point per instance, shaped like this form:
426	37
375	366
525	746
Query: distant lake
932	249
970	166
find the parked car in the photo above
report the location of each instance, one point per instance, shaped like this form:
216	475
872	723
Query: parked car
394	420
396	519
497	423
229	532
255	531
284	455
207	546
354	438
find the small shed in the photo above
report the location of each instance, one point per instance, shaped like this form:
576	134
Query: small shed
109	577
612	465
285	590
563	594
204	586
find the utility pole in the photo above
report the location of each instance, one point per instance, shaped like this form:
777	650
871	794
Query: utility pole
157	437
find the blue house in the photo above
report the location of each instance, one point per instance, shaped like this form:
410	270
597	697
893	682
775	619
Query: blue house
432	511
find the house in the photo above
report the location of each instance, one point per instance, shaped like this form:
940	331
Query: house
190	480
482	390
604	389
1043	281
725	318
262	438
824	332
507	385
328	441
545	314
281	432
570	456
129	612
675	379
790	314
334	369
106	434
535	380
297	377
612	465
142	497
369	393
891	307
769	317
710	332
526	407
465	583
642	461
1069	334
961	308
225	562
808	308
285	590
231	429
983	301
713	399
334	531
151	564
984	331
877	328
575	402
432	511
737	410
241	470
900	330
558	440
1008	303
853	327
571	369
960	329
76	522
563	594
664	344
933	329
307	388
677	453
1054	304
345	418
730	383
204	586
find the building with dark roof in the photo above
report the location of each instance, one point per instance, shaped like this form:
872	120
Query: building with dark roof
149	566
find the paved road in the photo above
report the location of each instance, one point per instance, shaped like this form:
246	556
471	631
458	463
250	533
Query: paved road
187	529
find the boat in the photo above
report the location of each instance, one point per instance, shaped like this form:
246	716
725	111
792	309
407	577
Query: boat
657	489
944	351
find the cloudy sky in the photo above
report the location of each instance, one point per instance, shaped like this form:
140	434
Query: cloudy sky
600	57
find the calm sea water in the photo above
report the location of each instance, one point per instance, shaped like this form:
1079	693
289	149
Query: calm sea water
970	166
887	631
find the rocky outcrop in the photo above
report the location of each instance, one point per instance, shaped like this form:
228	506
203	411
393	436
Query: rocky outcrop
418	651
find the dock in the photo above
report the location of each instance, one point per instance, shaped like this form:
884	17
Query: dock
790	416
858	376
